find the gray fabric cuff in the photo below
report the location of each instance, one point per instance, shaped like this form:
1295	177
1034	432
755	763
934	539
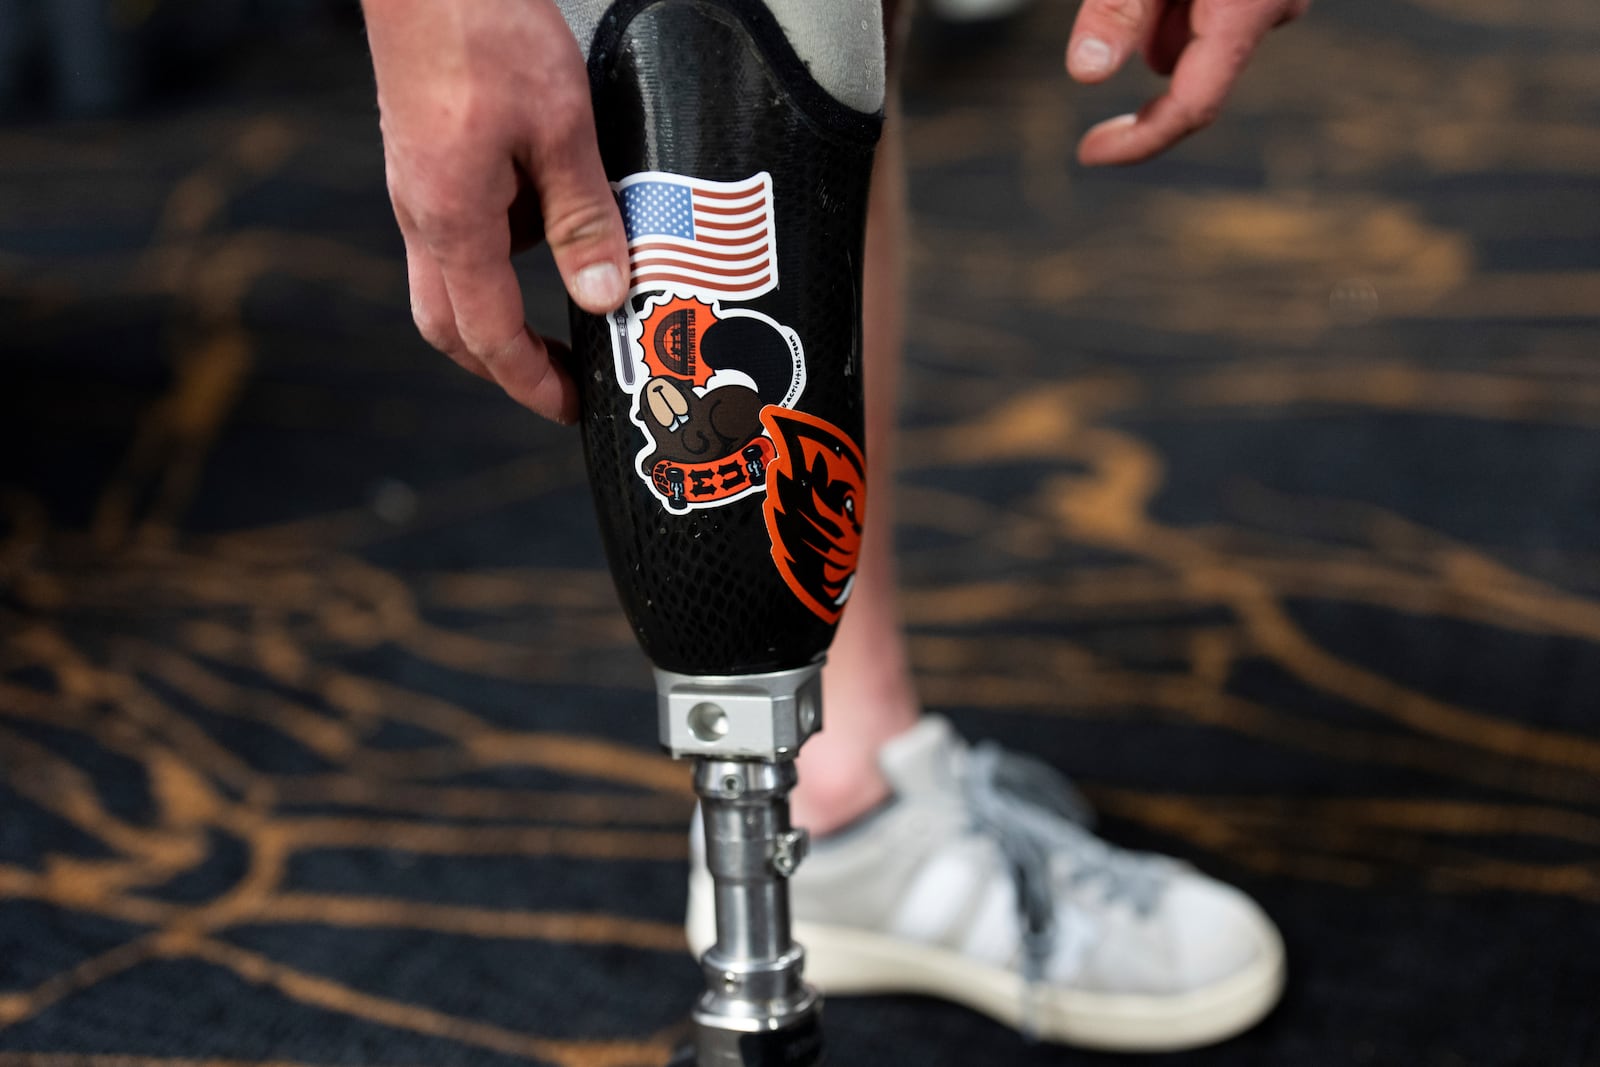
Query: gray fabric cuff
839	41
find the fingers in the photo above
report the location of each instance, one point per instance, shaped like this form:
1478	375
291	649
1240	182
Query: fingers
1223	38
430	300
486	300
466	303
1106	33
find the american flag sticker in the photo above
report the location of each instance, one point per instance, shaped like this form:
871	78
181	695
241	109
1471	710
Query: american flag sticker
702	238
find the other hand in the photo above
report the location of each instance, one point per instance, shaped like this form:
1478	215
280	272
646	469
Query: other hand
1202	44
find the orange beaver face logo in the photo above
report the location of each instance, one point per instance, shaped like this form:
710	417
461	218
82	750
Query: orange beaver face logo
816	502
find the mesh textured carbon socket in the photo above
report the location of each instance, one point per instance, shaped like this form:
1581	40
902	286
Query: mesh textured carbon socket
713	91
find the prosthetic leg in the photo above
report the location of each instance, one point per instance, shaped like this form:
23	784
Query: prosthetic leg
722	421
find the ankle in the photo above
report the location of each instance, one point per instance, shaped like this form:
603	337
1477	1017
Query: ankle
826	800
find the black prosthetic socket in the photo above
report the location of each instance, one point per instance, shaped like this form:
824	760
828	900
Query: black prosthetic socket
722	423
721	410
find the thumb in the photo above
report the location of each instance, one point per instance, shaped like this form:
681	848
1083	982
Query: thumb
582	225
1106	34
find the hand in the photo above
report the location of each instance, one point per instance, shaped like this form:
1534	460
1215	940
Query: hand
489	143
1202	44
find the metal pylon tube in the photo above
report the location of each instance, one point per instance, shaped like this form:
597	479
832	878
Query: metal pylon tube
756	1009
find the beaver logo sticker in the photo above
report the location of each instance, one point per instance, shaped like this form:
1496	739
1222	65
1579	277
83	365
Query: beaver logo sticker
703	373
816	501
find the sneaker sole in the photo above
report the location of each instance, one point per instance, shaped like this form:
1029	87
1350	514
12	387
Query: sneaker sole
845	961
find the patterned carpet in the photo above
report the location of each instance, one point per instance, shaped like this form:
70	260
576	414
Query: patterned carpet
1259	489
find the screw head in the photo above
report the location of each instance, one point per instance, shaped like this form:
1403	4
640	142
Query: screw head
809	714
708	722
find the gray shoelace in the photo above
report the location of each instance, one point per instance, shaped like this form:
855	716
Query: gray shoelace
1035	815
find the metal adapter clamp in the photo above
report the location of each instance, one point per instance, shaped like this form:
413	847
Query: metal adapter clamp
745	716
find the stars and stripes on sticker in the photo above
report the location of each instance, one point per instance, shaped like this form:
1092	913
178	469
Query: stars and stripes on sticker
698	237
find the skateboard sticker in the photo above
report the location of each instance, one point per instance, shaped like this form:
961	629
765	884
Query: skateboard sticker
699	375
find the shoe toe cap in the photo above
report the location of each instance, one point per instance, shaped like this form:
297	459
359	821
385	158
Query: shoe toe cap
1217	933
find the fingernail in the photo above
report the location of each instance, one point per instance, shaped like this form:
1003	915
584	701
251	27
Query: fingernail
1092	56
1119	122
598	284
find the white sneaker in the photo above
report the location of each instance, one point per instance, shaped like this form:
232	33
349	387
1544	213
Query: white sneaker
979	883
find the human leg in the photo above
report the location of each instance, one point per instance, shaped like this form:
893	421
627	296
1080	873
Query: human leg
868	691
1111	949
974	878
